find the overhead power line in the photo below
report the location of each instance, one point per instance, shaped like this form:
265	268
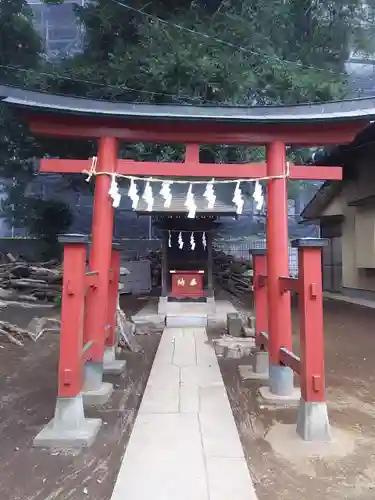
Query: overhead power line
225	42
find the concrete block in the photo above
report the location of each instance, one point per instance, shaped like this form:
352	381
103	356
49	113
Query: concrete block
169	448
259	370
162	305
219	432
251	322
98	397
313	423
291	400
234	324
247	373
281	380
248	332
111	365
116	367
229	478
186	321
69	428
95	392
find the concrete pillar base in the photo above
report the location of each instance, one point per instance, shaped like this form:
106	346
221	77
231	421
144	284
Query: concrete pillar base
95	392
211	305
69	428
98	397
162	306
111	365
290	401
260	368
281	380
313	423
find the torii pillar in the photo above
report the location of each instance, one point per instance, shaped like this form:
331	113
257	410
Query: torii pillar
279	320
95	391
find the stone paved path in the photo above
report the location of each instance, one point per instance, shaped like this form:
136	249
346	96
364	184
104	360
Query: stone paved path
185	444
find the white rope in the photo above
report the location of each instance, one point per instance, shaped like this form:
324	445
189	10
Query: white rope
90	173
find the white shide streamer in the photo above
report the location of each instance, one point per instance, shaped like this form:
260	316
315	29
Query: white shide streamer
192	241
258	196
133	194
190	203
238	199
165	192
148	196
204	241
209	194
114	192
169	239
180	241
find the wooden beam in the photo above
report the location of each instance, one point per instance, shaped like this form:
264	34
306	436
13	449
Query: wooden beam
288	284
290	359
163	132
316	173
190	169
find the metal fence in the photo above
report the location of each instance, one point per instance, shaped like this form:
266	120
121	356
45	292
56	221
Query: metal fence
241	250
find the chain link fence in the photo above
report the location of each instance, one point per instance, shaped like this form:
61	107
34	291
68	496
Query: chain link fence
241	250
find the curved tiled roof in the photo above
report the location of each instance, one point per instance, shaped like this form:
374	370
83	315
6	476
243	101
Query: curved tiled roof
347	110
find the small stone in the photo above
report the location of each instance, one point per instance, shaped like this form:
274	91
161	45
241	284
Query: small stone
85	491
16	449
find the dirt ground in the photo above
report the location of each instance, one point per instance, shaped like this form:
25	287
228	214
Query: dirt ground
350	369
28	391
27	395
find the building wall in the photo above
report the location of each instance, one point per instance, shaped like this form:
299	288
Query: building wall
358	231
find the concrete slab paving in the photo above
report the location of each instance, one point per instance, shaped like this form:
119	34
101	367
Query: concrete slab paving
185	436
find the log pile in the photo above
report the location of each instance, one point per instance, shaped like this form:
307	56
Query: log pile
22	281
232	274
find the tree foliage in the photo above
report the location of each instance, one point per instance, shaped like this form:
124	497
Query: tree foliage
182	51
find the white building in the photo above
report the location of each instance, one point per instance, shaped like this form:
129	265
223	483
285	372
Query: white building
58	27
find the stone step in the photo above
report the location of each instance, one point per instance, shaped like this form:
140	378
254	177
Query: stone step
185	321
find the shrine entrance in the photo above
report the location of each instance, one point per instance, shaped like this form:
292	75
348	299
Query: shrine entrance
87	341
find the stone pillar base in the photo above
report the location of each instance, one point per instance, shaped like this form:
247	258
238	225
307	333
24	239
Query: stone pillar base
111	365
69	428
313	422
162	306
281	391
281	380
260	368
95	392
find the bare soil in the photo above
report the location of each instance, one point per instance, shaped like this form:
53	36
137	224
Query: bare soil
27	398
350	369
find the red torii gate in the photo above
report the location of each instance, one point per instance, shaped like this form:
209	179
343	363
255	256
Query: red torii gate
91	294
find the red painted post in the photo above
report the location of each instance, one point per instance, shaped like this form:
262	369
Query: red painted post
113	295
72	307
279	305
312	376
96	310
260	292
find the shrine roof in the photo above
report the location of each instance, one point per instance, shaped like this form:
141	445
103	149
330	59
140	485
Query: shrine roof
40	102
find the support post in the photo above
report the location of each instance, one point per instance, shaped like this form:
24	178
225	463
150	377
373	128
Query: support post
163	300
261	358
164	264
210	284
96	392
279	305
69	426
312	423
111	365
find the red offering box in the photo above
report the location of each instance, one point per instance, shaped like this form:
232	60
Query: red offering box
187	284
